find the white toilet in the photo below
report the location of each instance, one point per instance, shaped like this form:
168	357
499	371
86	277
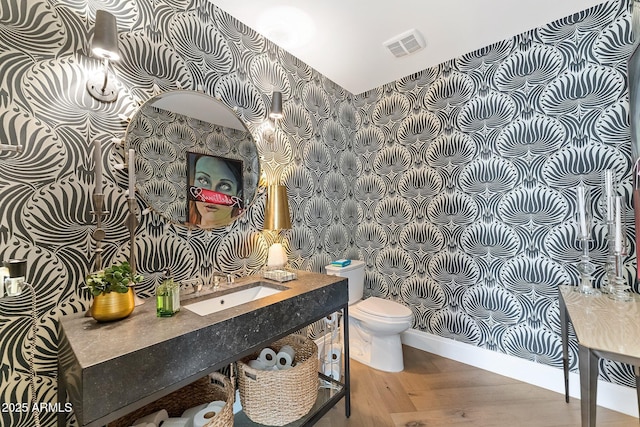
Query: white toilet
375	324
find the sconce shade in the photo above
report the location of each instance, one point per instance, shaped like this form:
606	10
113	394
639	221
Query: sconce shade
276	106
17	267
105	46
105	37
276	215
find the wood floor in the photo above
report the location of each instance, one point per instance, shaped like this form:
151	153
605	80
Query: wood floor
434	391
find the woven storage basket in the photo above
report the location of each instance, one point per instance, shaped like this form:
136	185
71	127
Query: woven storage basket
276	398
197	393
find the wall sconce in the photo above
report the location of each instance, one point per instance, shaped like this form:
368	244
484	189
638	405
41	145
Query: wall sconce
15	273
269	131
277	217
276	106
104	46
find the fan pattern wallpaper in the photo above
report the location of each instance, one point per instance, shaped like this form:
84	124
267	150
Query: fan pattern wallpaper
455	185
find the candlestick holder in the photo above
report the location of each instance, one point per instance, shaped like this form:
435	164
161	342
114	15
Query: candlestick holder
610	264
132	224
98	234
620	289
586	269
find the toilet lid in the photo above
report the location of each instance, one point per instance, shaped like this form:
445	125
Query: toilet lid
383	307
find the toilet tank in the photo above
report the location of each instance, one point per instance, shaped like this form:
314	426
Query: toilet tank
354	273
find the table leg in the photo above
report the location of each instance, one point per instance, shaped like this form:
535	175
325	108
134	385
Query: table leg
636	370
62	399
564	333
347	373
588	385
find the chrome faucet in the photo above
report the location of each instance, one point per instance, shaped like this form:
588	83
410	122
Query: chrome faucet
196	284
217	276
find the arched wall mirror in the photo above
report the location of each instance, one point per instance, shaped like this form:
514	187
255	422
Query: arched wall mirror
196	163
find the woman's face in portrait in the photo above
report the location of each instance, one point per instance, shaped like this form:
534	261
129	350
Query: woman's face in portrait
215	175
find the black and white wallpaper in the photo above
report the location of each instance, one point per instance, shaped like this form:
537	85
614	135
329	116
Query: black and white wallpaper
456	185
466	182
467	178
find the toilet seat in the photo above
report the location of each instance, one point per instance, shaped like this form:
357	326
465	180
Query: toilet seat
383	308
379	310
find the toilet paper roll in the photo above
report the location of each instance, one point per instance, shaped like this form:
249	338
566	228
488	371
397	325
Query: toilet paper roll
257	364
155	418
285	356
331	320
268	357
191	412
333	373
334	354
175	422
217	404
204	416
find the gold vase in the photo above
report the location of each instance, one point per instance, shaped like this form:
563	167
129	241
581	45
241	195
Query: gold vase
111	306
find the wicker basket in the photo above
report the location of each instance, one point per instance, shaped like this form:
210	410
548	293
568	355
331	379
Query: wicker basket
276	398
197	393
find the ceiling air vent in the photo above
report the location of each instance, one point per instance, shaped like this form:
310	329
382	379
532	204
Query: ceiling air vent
405	43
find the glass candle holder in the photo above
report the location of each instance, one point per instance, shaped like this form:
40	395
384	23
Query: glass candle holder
610	264
586	269
620	290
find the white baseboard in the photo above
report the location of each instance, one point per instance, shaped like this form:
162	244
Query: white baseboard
612	396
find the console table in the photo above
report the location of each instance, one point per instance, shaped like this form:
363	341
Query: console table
605	329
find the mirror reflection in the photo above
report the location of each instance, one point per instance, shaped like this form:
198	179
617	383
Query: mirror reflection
196	162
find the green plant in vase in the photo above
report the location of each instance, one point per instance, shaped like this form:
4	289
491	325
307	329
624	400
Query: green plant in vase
112	291
115	278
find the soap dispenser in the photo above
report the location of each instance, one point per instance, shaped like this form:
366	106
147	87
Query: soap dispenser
167	296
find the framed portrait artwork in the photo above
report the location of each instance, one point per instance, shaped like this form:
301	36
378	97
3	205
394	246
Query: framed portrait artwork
214	190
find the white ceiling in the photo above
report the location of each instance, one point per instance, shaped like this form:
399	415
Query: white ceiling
346	36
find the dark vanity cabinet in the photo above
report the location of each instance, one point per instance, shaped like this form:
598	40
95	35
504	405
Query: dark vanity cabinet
107	370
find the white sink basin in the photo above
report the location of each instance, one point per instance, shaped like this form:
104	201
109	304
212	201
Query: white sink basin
231	299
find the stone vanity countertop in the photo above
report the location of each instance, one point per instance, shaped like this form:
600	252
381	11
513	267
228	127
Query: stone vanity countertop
109	368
